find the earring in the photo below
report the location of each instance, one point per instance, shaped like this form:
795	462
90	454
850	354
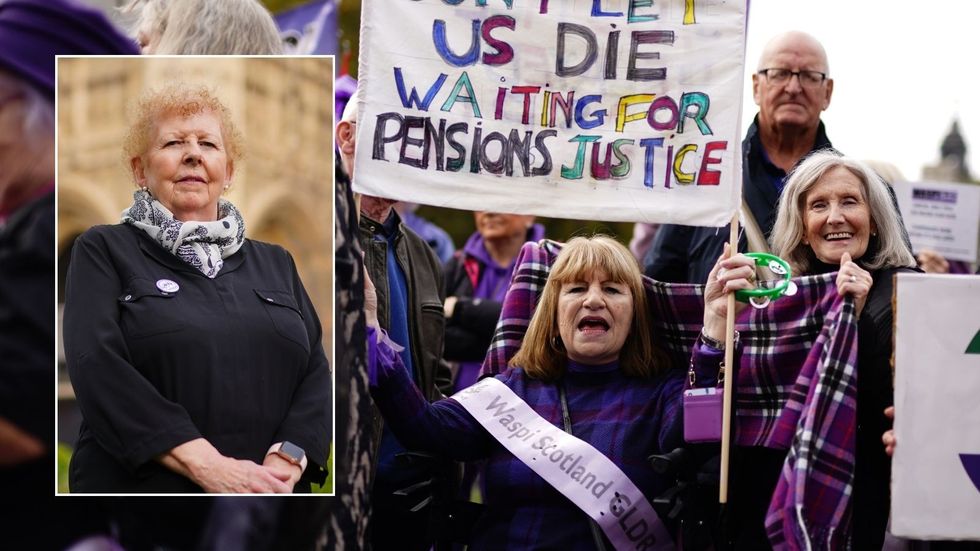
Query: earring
556	343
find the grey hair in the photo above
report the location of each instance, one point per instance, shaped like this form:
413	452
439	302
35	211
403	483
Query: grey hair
787	234
210	27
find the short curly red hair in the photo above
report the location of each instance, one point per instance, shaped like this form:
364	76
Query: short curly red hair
183	100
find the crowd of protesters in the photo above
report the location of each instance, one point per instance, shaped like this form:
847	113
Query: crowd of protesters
423	469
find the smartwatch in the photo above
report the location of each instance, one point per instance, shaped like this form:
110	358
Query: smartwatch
290	452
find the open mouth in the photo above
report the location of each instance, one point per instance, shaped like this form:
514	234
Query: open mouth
593	324
838	236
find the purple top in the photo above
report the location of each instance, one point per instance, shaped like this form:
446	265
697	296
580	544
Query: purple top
625	418
494	278
492	285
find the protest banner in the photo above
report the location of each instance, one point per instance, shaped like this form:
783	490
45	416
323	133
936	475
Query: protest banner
936	467
618	110
942	216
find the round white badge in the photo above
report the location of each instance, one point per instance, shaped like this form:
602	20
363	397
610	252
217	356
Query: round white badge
167	285
776	268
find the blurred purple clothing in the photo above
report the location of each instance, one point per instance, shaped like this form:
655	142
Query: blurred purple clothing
494	278
959	267
33	32
491	284
343	92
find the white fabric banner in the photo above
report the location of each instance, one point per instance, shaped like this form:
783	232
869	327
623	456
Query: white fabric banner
572	466
617	110
936	468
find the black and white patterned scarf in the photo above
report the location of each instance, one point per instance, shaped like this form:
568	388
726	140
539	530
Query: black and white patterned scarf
203	245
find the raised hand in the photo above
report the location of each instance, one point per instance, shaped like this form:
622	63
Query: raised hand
855	281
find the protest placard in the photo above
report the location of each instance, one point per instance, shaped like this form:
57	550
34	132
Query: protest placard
618	110
942	216
936	468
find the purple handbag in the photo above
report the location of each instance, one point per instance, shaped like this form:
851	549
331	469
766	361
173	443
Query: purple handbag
702	409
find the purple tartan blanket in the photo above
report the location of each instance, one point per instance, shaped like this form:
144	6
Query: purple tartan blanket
796	385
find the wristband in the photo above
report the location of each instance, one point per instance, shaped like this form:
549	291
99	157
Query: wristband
715	343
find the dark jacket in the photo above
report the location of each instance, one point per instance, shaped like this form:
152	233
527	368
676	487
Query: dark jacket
27	323
686	254
875	392
426	321
471	327
237	359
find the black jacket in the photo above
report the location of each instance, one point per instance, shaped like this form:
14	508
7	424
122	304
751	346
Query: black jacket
27	322
237	359
875	392
470	329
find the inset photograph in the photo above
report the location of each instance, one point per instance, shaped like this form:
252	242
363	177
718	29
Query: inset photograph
194	243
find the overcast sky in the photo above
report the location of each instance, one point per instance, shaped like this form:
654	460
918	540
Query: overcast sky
902	72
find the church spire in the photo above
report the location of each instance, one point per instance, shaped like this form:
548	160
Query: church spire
953	152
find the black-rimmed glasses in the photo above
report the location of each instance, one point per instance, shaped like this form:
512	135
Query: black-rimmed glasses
810	79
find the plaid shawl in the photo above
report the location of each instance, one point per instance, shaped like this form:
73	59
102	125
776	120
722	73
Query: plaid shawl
796	385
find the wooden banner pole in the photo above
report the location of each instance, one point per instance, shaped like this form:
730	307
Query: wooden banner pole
726	416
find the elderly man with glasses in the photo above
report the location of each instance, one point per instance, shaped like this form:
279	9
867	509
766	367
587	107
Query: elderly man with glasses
791	87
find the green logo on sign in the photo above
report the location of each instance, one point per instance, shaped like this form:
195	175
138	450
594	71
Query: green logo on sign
974	347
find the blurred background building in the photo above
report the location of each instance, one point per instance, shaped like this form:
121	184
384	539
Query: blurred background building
283	186
952	165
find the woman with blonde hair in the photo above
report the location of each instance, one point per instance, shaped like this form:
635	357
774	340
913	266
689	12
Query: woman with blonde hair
587	369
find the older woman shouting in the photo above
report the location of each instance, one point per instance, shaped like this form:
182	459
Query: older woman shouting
568	429
195	353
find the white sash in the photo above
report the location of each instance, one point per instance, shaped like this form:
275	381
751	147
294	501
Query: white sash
573	467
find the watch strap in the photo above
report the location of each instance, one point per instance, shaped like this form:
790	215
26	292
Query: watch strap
277	449
715	343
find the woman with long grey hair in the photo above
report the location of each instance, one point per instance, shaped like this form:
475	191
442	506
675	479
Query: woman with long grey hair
836	215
